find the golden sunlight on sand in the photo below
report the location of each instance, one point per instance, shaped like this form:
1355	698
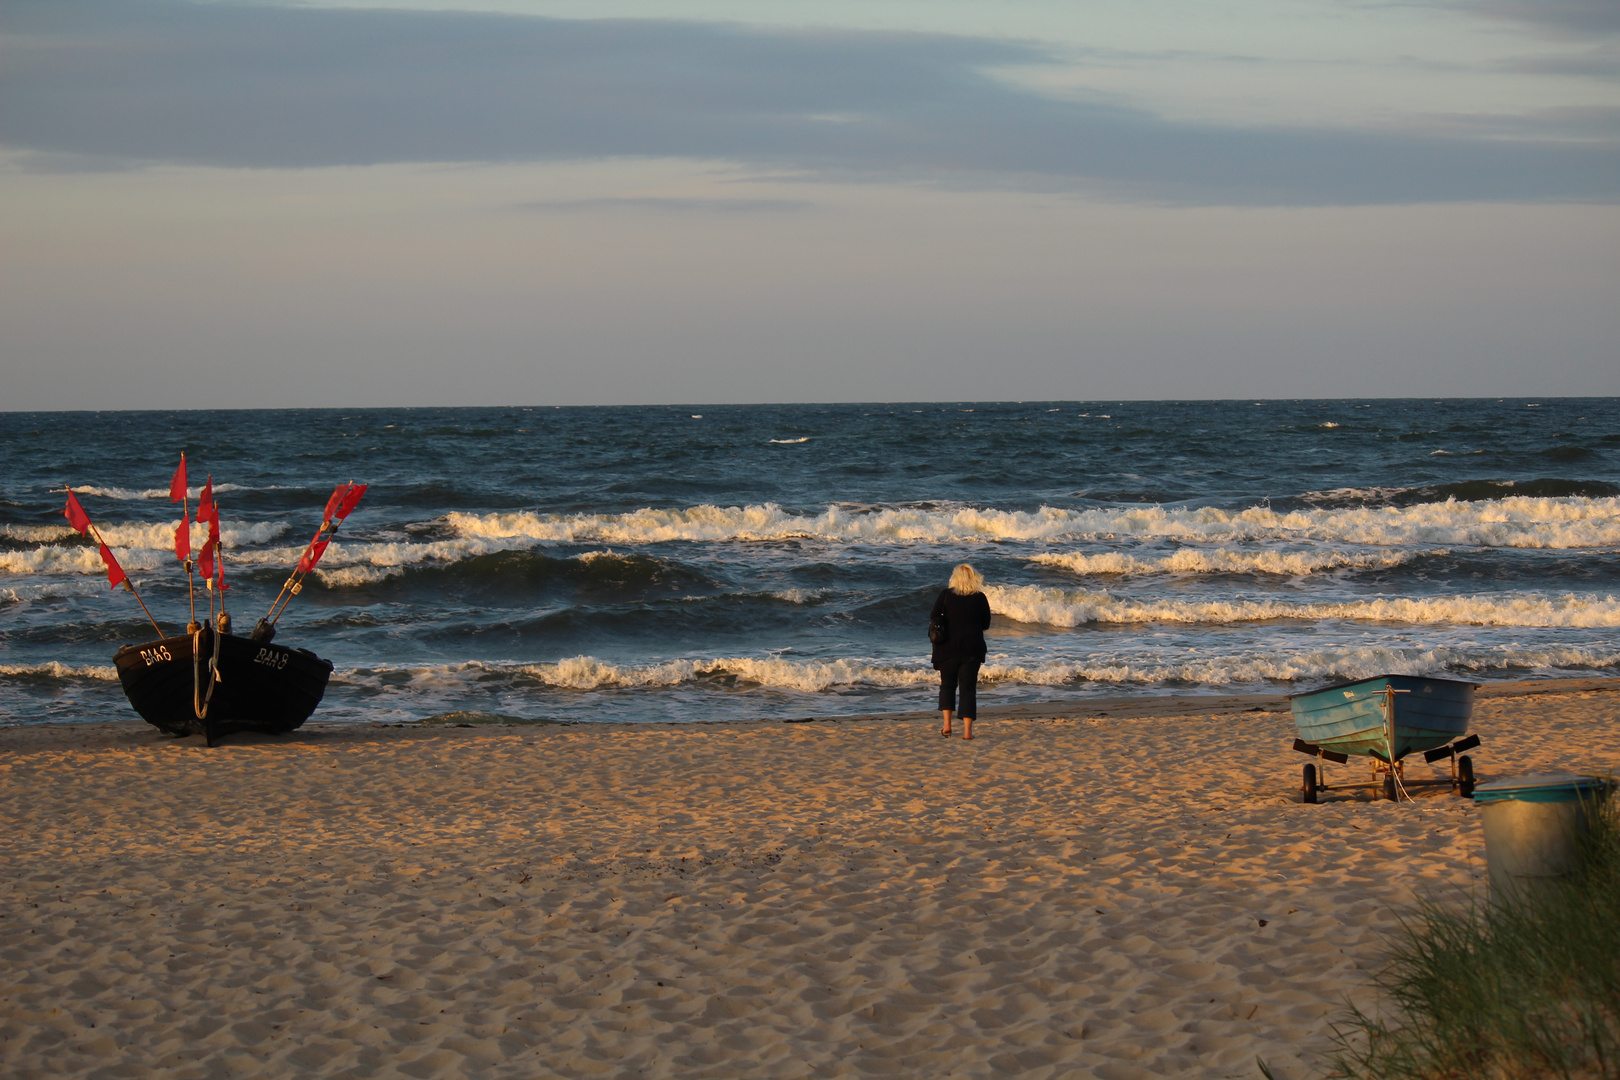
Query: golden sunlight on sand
1113	896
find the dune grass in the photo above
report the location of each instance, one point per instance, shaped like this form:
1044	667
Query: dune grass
1501	991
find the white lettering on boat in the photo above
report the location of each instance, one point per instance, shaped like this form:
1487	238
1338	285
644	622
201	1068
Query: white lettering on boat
156	655
272	658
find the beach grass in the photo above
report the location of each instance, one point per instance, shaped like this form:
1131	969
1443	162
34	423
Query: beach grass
1528	988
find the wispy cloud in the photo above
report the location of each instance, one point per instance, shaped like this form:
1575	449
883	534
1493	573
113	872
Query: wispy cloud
669	205
232	85
1583	17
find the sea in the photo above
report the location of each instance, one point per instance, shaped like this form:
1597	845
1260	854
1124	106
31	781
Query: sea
764	562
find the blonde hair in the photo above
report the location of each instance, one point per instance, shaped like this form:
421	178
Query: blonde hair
965	581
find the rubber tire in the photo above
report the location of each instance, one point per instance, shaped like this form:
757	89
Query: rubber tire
1307	788
1389	786
1465	777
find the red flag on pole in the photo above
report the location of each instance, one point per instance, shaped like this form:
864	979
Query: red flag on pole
312	556
206	511
351	499
115	573
219	568
182	539
205	560
177	486
332	504
75	513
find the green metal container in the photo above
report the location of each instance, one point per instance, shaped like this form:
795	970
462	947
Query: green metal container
1534	827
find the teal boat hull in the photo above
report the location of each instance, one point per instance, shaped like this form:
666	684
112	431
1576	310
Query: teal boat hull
1349	717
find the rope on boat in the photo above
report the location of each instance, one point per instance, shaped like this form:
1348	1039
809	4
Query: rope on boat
199	700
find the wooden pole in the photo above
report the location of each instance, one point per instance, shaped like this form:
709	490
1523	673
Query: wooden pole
129	584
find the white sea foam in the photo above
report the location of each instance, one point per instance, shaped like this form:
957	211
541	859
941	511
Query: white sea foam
1307	667
143	547
1059	607
589	673
81	559
36	534
22	594
1225	561
790	442
160	537
54	670
155	493
1520	522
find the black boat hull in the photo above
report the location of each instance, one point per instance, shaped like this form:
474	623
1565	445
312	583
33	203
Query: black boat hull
261	687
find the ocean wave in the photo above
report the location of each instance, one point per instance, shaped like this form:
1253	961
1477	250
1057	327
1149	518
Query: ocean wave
154	493
36	534
791	442
80	559
160	536
22	594
58	671
364	564
1307	667
1517	522
1464	490
589	673
145	547
1057	607
1222	561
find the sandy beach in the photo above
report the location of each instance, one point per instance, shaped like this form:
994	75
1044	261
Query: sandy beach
1129	891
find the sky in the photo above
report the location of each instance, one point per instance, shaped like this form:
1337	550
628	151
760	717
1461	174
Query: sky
546	202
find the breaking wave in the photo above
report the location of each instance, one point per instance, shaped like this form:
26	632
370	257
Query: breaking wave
1517	522
588	673
1220	561
1057	607
62	672
155	493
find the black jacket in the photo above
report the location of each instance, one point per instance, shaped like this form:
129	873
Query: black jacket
966	620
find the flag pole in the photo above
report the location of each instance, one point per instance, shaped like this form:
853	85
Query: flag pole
129	585
191	582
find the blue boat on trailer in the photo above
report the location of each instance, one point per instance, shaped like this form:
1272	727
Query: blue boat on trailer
1386	718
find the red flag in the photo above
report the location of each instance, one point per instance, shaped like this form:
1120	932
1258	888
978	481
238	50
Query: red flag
213	527
205	560
115	573
206	510
75	514
337	497
312	556
219	565
351	500
177	486
182	538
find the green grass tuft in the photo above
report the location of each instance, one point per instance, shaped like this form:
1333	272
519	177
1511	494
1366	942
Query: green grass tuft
1504	991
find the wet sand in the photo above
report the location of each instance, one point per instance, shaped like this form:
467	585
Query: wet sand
1132	894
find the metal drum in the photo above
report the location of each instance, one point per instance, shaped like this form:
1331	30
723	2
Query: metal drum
1534	827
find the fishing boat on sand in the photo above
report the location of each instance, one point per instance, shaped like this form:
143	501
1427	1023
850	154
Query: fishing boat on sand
1385	719
209	681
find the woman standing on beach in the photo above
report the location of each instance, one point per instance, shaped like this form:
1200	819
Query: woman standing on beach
958	654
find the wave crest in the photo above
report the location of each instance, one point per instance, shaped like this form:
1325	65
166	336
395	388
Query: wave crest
1058	607
1518	522
1220	561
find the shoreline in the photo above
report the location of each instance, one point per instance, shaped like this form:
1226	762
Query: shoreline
1119	707
1076	894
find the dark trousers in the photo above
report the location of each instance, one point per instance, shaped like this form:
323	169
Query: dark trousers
963	676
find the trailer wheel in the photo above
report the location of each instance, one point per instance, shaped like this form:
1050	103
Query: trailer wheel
1307	789
1465	776
1389	786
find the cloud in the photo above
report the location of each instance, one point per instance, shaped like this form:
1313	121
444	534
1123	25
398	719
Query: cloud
670	205
1579	17
261	86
